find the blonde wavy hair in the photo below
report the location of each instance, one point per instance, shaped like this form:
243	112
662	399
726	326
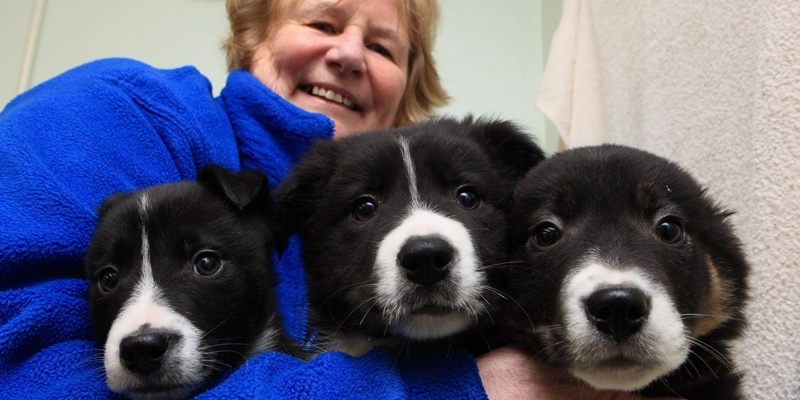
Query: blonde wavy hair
251	21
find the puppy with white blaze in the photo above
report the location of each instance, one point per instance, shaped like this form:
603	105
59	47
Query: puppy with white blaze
627	274
403	230
181	282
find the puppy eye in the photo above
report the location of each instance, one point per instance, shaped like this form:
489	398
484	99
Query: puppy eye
109	277
364	208
546	234
207	263
669	230
467	198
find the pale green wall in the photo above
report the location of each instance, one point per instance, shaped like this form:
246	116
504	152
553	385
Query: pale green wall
491	56
490	52
165	33
15	18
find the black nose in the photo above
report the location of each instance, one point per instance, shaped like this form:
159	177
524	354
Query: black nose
617	311
426	259
143	351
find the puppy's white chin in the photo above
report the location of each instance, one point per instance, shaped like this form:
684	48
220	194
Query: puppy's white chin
431	327
621	378
657	348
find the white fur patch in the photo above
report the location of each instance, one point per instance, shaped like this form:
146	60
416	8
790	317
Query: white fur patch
659	347
410	174
426	326
464	282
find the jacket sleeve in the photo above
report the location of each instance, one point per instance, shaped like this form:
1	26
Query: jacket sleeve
379	374
105	127
109	126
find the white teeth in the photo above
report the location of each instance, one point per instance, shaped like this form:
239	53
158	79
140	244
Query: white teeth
331	95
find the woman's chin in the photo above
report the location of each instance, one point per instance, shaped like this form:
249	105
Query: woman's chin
347	126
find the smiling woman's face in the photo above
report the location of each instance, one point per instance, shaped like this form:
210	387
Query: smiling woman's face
346	59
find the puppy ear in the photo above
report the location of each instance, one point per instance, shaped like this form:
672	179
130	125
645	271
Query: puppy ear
111	202
242	188
298	196
514	150
247	190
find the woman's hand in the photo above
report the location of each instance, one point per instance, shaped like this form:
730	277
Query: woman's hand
510	373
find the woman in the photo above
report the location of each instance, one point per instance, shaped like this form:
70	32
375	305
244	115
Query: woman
303	70
387	70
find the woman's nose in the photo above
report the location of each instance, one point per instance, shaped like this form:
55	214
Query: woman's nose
347	52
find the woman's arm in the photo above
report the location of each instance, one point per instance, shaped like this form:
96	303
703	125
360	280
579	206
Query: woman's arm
510	373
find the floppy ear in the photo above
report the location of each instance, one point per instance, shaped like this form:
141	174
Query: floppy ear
248	191
300	192
242	189
512	149
111	202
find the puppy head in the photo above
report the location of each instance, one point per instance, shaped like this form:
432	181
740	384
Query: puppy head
625	265
400	228
180	282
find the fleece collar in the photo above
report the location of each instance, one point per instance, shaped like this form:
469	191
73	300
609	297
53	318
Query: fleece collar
272	134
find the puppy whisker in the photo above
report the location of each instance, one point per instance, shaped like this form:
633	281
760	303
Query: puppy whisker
519	306
214	328
714	352
346	317
366	313
496	291
344	288
721	317
497	265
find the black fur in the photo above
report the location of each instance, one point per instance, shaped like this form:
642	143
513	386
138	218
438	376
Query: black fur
226	215
320	197
608	202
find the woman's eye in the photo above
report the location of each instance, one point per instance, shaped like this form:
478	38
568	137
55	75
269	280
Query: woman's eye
383	51
467	198
109	278
669	230
364	208
207	263
546	234
322	27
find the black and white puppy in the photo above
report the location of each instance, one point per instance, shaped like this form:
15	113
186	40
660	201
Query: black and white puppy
629	275
402	229
181	282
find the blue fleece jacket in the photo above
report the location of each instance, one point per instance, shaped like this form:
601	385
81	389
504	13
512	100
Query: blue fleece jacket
120	125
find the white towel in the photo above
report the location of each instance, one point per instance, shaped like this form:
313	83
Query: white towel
570	79
714	86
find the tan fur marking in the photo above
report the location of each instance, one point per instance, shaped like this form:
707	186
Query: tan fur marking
716	311
643	189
